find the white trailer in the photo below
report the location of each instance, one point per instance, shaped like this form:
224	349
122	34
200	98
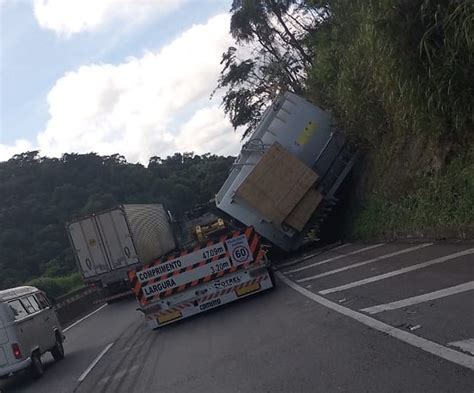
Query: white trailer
108	244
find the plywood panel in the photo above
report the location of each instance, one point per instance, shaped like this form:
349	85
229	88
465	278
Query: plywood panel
302	212
276	184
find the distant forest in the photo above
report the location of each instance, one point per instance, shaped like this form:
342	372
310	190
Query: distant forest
39	194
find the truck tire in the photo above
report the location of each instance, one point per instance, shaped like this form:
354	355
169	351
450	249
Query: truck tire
58	350
271	274
36	366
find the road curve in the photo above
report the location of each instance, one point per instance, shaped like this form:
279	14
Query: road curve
280	341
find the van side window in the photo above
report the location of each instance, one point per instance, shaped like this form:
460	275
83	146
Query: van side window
18	309
29	307
34	303
42	300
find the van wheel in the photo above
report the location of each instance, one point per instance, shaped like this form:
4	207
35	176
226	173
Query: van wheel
36	367
58	350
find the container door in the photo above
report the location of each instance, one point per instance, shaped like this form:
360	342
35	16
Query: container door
88	247
117	239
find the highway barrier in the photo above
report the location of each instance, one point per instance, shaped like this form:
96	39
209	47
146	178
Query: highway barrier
75	304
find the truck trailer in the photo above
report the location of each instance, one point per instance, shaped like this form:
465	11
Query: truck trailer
284	181
108	244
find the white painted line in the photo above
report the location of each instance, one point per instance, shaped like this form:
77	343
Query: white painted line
87	316
304	258
94	363
339	247
333	258
409	338
468	286
396	272
465	345
373	260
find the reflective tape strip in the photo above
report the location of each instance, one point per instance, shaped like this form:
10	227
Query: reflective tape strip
138	285
205	299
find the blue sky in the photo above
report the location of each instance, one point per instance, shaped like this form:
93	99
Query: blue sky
58	63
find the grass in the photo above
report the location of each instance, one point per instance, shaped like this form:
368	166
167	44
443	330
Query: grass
398	77
440	205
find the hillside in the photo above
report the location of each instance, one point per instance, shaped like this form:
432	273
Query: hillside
398	78
39	194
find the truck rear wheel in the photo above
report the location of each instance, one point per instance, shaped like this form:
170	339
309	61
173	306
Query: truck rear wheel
271	274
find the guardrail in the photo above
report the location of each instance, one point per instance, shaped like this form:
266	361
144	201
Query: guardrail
75	304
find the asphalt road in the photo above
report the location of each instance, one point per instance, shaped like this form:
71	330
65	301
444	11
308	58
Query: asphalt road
360	318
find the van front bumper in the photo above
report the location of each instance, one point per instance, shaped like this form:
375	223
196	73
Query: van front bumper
13	368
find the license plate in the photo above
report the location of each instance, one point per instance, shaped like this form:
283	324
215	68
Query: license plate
169	317
248	289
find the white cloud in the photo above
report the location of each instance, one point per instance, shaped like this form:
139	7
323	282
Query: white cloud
208	131
19	146
154	105
67	17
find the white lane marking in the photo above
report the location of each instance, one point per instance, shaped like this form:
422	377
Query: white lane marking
87	316
304	258
465	345
339	247
333	258
468	286
409	338
396	272
94	363
373	260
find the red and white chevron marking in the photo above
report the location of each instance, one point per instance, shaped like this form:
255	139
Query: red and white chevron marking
185	305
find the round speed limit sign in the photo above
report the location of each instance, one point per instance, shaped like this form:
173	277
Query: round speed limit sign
240	254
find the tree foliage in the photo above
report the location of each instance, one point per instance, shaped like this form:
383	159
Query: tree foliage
39	195
271	54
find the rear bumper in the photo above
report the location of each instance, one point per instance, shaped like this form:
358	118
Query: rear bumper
13	368
207	302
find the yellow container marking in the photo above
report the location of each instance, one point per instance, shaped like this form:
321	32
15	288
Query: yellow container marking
307	133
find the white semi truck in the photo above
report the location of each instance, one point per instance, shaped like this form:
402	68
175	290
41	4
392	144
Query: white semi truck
108	244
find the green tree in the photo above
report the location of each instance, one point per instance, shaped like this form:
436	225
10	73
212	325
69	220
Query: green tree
40	194
275	33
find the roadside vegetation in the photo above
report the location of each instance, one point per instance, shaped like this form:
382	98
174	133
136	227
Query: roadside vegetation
397	76
57	286
40	194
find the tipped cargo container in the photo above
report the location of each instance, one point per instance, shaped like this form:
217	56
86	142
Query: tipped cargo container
284	181
108	244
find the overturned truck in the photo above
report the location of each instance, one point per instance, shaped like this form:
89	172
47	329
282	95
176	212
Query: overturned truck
284	181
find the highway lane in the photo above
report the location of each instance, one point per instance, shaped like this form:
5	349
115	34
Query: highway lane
285	341
275	342
84	342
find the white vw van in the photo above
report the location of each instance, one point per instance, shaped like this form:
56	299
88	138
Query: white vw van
29	327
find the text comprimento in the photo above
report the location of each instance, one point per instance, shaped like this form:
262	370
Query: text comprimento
158	270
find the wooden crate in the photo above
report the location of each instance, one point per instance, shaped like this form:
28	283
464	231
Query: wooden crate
302	212
277	183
